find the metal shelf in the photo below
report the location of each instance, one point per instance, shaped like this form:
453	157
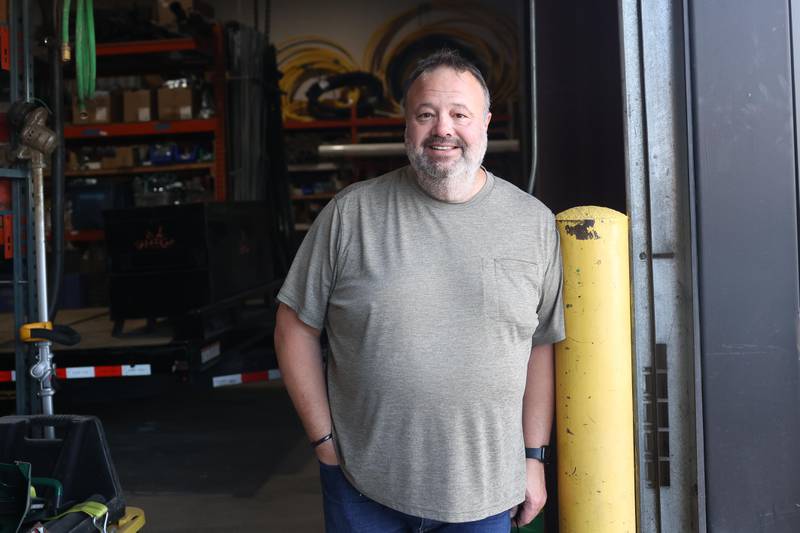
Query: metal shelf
146	47
140	170
337	124
142	57
133	129
85	235
313	167
316	196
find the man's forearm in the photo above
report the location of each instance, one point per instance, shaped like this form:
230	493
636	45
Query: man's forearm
537	418
538	401
297	346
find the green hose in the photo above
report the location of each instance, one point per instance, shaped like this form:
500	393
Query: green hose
65	21
92	50
85	52
79	57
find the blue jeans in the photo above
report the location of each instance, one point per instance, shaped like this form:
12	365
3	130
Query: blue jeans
349	511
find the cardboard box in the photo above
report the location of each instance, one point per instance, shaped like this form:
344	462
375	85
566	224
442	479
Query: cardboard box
98	109
72	161
137	106
164	16
175	104
125	156
122	158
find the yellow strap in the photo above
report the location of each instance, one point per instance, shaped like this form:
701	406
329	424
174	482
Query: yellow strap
93	509
25	331
132	522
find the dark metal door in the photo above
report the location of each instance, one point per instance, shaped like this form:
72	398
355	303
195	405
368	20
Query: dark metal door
743	103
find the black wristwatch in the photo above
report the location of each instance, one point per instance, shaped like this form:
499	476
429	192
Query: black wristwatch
540	454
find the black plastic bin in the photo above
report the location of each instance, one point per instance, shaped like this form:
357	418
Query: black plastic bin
78	457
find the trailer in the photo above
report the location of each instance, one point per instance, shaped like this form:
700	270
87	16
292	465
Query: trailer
218	345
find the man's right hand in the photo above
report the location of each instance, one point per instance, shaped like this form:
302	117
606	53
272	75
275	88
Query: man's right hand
326	453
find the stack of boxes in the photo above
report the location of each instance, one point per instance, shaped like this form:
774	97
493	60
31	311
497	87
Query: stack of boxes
137	105
171	100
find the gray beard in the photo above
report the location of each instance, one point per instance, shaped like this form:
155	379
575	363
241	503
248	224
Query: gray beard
445	182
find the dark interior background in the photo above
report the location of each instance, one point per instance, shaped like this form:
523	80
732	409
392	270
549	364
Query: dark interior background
581	151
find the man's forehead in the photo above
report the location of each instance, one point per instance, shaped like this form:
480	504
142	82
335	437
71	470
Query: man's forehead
433	85
453	99
444	71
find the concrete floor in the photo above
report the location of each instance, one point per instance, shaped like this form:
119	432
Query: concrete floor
224	460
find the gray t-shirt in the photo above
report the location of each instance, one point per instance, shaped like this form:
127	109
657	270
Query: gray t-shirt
431	309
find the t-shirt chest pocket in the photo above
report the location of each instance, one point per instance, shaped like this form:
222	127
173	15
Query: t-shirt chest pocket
511	291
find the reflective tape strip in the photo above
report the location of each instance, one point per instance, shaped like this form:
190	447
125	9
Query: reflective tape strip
107	371
136	370
88	372
252	377
248	377
111	371
223	381
79	372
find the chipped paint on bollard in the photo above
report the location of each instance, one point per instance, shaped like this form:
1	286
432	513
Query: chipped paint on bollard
594	396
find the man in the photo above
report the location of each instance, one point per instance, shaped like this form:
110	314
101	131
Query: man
439	286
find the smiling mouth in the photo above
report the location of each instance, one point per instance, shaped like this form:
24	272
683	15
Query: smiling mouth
442	147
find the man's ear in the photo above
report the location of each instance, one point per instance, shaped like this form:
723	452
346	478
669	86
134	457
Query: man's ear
488	119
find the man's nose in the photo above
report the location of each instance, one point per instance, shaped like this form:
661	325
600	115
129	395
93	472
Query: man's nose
443	126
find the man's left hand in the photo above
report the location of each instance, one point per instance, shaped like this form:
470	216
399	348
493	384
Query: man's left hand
535	493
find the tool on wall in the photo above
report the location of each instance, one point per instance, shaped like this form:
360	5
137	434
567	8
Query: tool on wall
34	142
85	54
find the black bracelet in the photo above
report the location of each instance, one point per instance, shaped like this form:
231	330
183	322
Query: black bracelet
326	438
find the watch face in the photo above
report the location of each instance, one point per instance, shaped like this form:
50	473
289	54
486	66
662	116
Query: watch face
546	453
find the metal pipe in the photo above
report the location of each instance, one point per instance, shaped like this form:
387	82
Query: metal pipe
638	206
26	50
37	167
533	107
57	163
43	369
384	149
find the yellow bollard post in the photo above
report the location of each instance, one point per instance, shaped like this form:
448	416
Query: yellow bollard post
594	396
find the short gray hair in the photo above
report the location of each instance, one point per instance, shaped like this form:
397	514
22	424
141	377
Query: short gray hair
450	59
